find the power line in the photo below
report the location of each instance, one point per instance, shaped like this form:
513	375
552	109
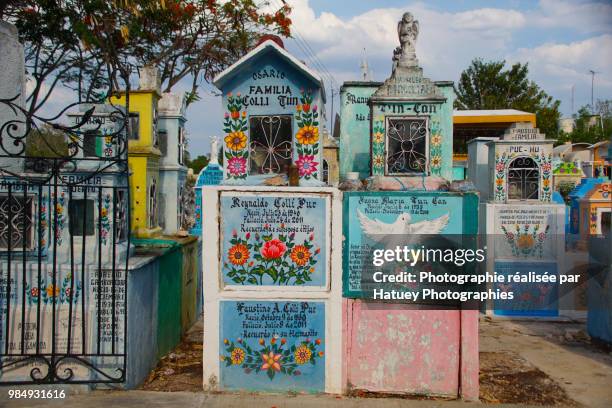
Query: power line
310	54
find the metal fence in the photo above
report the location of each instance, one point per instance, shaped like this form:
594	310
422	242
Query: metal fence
64	242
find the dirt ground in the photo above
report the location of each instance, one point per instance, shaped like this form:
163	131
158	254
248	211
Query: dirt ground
180	370
543	363
521	362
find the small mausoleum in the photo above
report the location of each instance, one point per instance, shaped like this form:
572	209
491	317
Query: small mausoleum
397	135
274	116
210	175
172	169
524	227
144	153
595	211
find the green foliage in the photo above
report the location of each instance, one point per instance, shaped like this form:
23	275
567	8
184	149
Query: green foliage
93	45
566	187
198	164
591	127
46	142
489	85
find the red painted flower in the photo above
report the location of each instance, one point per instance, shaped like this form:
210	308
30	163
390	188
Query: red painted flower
273	249
306	165
236	166
34	292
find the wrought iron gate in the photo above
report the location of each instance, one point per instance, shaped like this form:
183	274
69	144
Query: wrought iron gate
64	242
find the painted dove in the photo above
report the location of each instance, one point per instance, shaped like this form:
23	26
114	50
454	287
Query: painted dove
379	231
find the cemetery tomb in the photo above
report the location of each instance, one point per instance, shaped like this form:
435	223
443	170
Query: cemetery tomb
524	228
144	154
595	211
394	346
172	170
272	294
274	117
355	127
211	175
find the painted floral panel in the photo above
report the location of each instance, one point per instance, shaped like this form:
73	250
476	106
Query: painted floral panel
274	239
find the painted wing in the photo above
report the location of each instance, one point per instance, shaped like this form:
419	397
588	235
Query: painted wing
374	229
430	227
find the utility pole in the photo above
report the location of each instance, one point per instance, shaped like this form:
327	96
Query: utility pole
573	87
592	83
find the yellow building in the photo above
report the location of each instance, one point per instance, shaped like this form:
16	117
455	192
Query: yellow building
469	124
144	154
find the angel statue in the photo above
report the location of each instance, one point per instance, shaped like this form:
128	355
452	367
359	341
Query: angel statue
214	150
408	31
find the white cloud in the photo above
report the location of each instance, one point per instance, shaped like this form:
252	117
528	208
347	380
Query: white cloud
489	19
559	66
449	41
581	16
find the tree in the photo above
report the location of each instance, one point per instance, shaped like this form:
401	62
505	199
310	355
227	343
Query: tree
198	164
489	85
591	127
91	46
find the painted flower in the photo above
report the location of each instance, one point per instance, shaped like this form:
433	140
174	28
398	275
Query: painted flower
236	140
525	241
306	107
306	165
271	361
236	165
59	209
546	182
308	135
238	254
436	140
379	137
499	181
436	161
104	212
302	354
235	114
546	167
273	249
53	291
34	292
237	356
378	160
499	167
300	255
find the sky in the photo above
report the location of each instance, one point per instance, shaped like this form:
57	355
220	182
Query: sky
560	39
